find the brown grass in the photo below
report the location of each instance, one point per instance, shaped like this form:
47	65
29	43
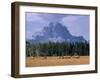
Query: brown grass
55	61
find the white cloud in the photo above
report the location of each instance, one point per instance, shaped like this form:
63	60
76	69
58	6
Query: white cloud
31	17
78	25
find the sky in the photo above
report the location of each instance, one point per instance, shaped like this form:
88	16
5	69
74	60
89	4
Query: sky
78	25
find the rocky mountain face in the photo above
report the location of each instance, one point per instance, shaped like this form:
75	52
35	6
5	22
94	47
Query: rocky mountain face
55	32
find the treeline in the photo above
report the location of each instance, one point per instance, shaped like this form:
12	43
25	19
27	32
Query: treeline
57	49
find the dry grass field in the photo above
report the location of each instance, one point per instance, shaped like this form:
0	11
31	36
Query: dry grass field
55	61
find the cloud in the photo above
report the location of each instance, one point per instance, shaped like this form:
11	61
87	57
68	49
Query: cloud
78	25
52	17
31	17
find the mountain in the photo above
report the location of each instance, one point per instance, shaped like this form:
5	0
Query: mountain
55	32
